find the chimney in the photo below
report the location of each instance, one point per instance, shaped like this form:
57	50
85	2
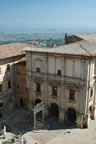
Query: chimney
66	38
53	45
66	35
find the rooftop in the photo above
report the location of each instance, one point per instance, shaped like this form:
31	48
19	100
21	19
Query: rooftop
22	61
85	47
11	50
91	37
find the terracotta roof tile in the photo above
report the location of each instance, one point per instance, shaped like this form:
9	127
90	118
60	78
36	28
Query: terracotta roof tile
11	50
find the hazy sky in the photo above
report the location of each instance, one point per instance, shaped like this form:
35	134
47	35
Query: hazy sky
48	13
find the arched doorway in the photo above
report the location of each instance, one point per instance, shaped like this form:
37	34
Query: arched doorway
54	110
71	115
37	101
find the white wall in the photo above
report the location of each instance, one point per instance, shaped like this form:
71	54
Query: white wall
77	68
51	65
58	65
69	67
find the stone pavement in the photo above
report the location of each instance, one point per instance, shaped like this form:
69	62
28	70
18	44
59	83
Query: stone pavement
70	135
20	121
77	136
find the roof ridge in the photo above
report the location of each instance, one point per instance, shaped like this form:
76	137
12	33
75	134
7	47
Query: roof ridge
85	49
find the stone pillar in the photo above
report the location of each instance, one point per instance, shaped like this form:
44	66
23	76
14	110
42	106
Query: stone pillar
79	121
61	115
43	116
46	111
82	121
86	121
93	113
34	126
30	105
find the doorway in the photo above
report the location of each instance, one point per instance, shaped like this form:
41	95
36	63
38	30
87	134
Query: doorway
21	102
54	110
71	115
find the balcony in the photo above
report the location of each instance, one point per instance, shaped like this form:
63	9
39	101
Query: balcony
72	101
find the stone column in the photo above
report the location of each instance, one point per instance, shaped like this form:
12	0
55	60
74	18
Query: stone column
30	105
79	121
93	113
43	116
34	126
61	115
46	111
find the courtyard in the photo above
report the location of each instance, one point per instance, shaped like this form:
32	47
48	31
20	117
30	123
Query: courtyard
20	121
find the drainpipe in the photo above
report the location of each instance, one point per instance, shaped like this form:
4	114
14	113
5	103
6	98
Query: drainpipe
88	88
14	78
47	79
31	80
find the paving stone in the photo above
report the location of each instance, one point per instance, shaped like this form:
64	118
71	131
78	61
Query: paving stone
20	121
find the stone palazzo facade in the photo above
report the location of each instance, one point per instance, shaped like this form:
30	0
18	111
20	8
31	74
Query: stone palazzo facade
10	55
64	79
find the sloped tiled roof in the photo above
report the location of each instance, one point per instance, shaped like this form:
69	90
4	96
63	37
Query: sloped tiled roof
11	50
91	37
78	48
85	47
22	61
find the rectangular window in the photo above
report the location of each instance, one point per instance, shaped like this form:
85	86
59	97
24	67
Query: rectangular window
0	69
94	69
54	91
38	70
0	87
17	86
91	94
9	84
72	95
59	72
1	104
38	87
8	67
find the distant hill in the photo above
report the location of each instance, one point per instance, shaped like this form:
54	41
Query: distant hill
43	38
